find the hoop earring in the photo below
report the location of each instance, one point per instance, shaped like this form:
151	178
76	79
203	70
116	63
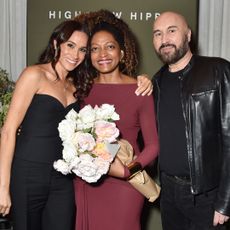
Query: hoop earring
122	56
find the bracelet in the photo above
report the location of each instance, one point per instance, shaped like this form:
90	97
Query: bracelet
134	168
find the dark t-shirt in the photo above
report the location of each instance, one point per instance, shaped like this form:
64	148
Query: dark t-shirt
173	150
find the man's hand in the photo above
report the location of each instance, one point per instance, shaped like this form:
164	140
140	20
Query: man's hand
219	218
144	84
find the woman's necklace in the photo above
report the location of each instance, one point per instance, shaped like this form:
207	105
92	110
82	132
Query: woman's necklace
66	84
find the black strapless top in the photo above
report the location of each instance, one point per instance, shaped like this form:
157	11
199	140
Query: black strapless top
38	138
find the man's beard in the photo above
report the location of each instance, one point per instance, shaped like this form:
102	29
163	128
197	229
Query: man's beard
172	58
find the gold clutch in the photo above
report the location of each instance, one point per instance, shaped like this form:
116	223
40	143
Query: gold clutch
140	181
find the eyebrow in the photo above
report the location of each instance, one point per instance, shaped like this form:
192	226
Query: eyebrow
74	43
172	27
155	31
71	41
106	43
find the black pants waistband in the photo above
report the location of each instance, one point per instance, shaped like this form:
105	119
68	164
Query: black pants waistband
186	180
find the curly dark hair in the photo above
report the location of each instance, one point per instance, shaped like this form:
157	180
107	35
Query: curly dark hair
81	77
105	20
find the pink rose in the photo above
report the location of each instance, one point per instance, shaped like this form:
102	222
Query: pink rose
84	141
106	131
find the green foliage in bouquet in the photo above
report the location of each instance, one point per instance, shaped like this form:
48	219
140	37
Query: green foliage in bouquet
6	89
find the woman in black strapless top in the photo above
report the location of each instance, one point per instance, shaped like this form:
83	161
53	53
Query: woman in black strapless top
42	198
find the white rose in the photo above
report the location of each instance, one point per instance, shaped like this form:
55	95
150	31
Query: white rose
87	114
69	151
105	112
72	115
61	166
86	118
74	163
66	129
92	179
115	116
87	169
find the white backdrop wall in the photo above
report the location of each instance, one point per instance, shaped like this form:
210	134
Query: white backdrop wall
13	36
214	28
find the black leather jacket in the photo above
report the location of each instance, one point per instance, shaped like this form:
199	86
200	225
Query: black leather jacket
205	98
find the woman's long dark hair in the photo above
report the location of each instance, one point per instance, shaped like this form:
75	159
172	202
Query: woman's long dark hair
82	79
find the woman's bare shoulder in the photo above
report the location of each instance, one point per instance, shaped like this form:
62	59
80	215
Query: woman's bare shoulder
32	73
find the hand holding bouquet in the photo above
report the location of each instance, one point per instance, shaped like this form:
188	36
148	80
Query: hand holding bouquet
89	142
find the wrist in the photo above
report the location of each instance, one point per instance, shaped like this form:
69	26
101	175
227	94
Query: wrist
134	168
4	184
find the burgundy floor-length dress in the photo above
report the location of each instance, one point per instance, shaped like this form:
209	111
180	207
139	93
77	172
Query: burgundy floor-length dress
113	204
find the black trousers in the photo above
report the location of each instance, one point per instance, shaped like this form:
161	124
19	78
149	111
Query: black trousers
180	210
42	199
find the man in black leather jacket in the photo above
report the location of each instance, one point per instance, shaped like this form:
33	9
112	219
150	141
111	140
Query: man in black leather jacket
192	95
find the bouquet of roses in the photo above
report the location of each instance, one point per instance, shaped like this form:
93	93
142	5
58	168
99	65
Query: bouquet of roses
89	142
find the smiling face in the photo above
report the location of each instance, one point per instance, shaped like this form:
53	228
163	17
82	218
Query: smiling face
105	52
73	51
171	37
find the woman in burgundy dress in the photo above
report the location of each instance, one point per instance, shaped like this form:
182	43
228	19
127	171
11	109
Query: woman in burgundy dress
112	203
